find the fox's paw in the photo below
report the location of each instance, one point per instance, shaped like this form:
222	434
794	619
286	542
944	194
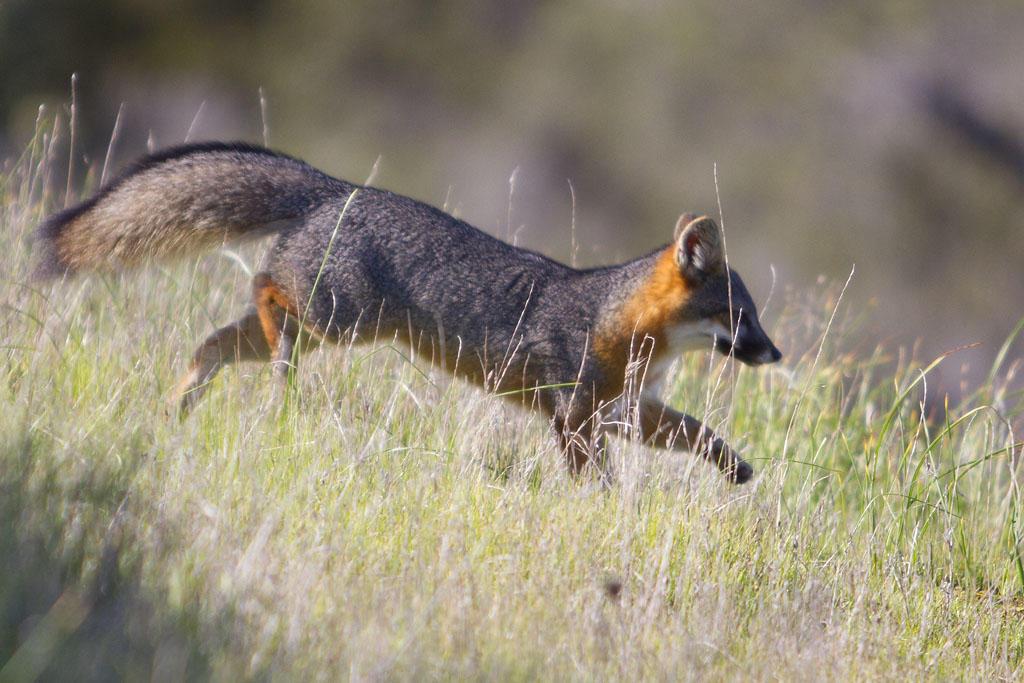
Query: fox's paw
732	465
741	473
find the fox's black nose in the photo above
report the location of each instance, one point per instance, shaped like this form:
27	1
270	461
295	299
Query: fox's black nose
768	355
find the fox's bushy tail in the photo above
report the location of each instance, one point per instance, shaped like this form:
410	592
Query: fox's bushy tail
182	200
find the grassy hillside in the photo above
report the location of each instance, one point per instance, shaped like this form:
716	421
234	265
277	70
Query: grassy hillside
389	523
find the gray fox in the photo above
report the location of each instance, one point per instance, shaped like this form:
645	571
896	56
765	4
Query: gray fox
358	263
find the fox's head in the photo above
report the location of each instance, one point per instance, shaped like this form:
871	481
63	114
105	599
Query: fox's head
717	307
688	300
692	301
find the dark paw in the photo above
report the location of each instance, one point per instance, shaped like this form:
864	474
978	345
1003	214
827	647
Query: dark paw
742	473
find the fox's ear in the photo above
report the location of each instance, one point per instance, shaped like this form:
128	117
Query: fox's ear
698	246
681	224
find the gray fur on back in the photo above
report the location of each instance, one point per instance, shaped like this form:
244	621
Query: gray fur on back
428	272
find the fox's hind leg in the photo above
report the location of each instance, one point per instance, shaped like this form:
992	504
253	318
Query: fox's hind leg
241	340
281	328
267	331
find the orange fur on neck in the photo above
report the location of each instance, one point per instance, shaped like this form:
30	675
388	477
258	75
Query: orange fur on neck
648	312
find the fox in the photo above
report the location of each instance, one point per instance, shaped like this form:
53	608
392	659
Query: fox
355	263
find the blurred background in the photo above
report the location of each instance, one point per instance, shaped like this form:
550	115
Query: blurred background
885	135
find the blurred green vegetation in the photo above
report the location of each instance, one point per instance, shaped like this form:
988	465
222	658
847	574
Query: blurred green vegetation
824	129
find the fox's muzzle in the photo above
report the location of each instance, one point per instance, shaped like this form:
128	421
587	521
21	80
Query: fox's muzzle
760	353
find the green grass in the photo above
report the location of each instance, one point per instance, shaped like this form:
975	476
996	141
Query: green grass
390	523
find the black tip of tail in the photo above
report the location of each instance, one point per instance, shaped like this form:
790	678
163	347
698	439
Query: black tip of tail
50	263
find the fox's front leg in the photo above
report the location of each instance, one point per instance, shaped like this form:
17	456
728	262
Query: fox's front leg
664	427
576	440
